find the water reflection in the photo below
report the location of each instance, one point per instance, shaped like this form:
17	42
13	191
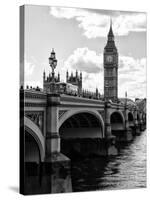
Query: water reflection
127	170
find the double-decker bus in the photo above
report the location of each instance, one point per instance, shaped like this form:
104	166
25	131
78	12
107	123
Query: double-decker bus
66	88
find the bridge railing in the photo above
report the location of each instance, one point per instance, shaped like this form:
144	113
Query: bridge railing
80	100
83	93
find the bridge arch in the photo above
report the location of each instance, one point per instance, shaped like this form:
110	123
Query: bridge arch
81	132
117	121
138	117
130	117
76	112
34	134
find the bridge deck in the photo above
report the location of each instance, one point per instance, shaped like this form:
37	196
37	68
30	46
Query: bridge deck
39	98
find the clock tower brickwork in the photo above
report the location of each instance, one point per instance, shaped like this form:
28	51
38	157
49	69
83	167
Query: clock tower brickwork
110	68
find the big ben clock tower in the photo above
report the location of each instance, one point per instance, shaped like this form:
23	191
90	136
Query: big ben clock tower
110	68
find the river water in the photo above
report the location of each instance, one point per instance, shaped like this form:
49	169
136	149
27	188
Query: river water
127	170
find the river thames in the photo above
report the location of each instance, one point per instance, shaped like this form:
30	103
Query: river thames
127	170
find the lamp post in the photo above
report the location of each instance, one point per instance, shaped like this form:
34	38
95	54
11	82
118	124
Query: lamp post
53	64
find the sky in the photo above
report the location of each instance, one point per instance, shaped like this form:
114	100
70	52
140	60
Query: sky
78	37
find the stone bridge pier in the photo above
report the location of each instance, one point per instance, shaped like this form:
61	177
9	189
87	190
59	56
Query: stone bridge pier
128	131
56	163
109	137
136	122
142	122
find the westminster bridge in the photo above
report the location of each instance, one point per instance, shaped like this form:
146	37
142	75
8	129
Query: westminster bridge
52	122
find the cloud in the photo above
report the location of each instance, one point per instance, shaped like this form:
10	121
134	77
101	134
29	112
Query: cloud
29	68
85	60
132	76
90	64
129	65
131	72
29	72
96	24
26	71
92	81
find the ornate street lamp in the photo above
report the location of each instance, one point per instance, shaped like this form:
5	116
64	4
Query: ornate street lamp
53	64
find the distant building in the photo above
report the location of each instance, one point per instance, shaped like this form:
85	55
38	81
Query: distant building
75	80
47	81
141	104
127	101
72	79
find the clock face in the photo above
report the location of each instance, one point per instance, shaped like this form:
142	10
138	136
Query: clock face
109	58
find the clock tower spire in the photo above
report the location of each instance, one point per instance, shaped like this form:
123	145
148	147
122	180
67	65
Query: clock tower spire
110	67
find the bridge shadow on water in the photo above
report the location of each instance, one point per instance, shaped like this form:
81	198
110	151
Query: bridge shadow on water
92	172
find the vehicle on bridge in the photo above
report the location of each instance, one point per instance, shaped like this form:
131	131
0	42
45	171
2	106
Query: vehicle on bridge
66	88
